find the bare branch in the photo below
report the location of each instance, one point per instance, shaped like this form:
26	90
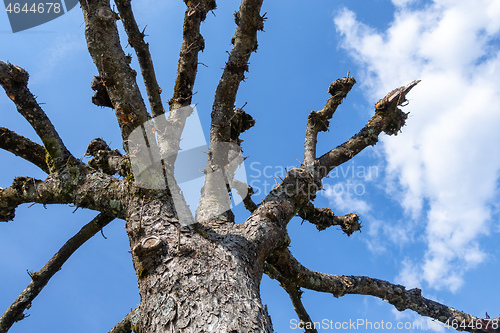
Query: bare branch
397	295
27	189
169	135
115	72
136	40
319	120
324	218
14	80
192	44
77	185
126	325
41	278
295	296
248	21
23	147
388	118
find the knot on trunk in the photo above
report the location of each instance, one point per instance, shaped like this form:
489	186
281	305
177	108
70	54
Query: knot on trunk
107	160
101	97
147	245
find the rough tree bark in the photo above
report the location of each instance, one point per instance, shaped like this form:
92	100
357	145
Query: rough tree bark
202	276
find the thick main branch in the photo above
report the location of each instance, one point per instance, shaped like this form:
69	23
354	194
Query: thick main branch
212	203
115	72
77	185
192	44
248	21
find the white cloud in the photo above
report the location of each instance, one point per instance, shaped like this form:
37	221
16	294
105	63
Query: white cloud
346	197
447	156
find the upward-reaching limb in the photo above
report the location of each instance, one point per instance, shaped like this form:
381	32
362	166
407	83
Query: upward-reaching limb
113	66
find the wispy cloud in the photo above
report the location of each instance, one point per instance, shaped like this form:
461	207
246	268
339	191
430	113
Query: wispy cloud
445	164
63	48
347	196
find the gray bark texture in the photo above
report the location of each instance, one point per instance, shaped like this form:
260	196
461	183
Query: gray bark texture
203	276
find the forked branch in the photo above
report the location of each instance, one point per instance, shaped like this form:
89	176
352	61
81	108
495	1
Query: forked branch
295	296
397	295
388	118
41	278
320	120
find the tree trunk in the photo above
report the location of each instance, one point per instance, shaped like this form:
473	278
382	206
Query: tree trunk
193	283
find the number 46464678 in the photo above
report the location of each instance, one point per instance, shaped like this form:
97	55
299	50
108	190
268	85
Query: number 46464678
36	8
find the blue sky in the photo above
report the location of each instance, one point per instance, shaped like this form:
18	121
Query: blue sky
428	198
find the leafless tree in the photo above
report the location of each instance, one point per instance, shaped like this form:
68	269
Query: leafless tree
199	275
